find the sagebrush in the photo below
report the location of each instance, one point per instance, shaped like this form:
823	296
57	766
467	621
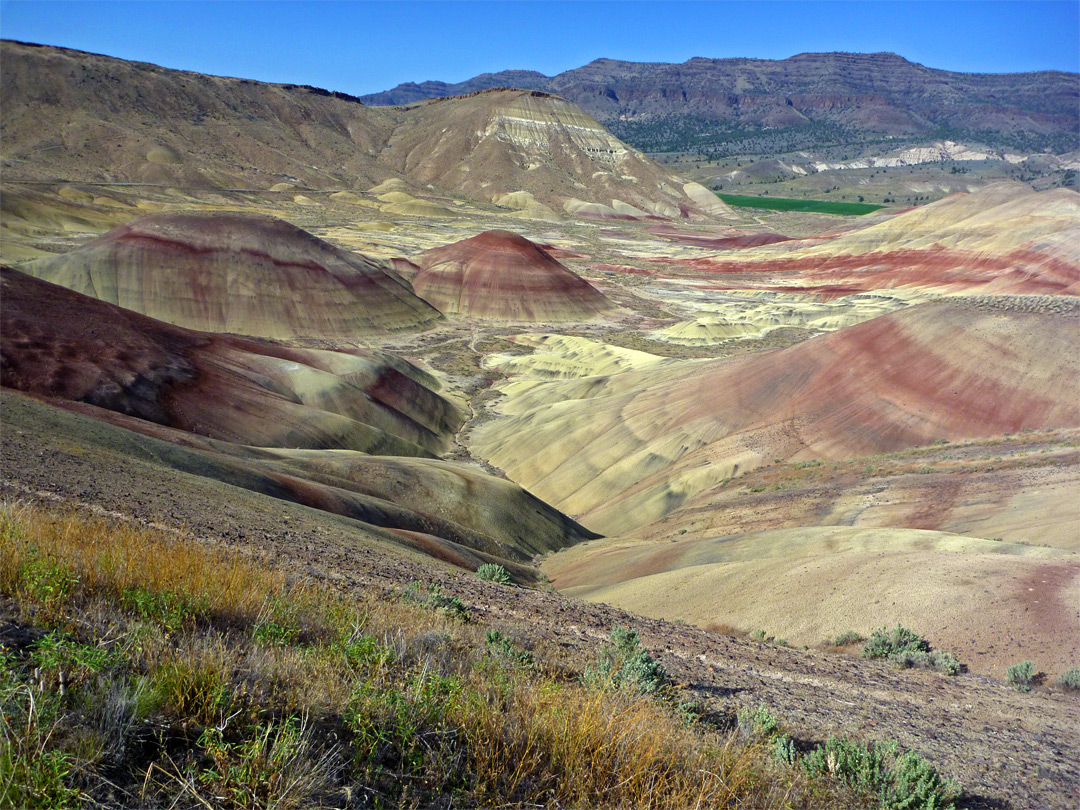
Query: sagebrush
905	648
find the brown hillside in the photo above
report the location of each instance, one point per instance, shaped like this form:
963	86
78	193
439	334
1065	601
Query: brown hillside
75	116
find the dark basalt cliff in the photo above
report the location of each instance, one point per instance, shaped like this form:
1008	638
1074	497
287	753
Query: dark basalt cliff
879	93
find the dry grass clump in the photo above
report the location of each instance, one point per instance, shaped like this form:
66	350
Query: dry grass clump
143	670
725	629
44	555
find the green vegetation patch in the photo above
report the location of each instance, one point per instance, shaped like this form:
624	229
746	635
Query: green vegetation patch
898	779
807	206
905	648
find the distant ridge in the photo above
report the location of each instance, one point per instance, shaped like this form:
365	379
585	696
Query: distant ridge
881	93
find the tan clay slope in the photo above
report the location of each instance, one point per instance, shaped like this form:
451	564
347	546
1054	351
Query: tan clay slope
1002	239
495	143
503	276
1020	488
63	344
75	116
622	451
240	273
28	214
990	603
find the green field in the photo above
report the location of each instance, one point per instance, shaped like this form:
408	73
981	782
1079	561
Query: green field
810	206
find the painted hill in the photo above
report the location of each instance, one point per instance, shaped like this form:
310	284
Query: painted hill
60	343
657	105
623	450
242	273
503	276
75	116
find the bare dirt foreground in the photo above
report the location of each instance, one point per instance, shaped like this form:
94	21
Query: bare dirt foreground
1010	750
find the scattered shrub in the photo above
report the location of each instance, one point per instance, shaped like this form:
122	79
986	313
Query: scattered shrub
934	659
847	638
46	581
493	572
365	654
170	611
886	643
914	783
623	664
277	623
899	781
759	722
504	648
905	648
1021	676
435	599
272	765
784	750
1070	679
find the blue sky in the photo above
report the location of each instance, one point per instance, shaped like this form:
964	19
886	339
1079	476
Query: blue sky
363	47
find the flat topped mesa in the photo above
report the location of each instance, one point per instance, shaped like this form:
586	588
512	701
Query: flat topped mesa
503	276
242	273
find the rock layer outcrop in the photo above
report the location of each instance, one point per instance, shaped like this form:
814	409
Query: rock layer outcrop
864	92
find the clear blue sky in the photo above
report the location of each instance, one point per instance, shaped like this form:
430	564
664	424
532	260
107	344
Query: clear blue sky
363	47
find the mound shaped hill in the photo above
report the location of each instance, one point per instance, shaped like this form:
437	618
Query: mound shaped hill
71	116
60	343
1003	238
242	273
502	275
622	451
499	142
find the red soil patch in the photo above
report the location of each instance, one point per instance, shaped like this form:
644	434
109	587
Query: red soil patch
560	253
1026	272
